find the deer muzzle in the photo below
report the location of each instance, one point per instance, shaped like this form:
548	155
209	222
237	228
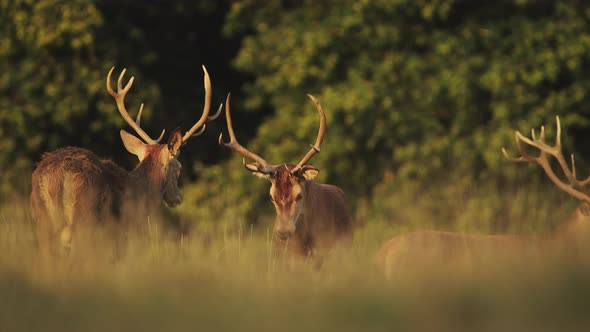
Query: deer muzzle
173	201
284	229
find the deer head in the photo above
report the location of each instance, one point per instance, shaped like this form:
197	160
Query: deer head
288	181
158	163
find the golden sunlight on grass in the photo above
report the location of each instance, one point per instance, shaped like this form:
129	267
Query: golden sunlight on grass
236	281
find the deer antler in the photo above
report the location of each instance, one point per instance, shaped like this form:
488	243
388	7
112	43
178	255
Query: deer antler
321	132
121	92
261	164
575	188
205	115
120	99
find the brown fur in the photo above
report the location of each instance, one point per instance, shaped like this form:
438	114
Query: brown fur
323	220
310	216
426	248
72	189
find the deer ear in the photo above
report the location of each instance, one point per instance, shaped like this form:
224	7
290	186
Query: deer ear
252	167
308	172
175	142
133	144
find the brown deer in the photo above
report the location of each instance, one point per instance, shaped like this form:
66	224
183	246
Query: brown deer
309	215
72	188
422	248
578	225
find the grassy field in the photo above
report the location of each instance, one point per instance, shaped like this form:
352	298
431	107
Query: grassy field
234	280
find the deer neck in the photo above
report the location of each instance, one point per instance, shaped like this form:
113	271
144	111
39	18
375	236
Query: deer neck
577	223
304	223
308	203
145	184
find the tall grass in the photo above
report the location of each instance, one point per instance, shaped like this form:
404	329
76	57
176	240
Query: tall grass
232	278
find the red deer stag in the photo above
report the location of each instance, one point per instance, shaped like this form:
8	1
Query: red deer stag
309	215
578	224
72	187
423	248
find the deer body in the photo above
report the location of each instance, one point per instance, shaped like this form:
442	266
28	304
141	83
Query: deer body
73	190
575	231
447	247
318	224
309	216
420	250
72	186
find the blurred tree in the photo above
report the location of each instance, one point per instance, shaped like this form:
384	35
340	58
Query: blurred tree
169	41
412	89
54	61
55	55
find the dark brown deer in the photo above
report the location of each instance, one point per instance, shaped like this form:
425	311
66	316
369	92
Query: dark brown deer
73	189
423	248
309	215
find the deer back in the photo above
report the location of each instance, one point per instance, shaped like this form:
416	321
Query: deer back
326	213
73	184
421	250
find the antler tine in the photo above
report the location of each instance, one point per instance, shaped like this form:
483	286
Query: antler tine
138	117
584	182
558	154
217	113
138	120
573	165
119	97
523	156
233	144
514	159
210	118
206	108
558	133
321	132
575	188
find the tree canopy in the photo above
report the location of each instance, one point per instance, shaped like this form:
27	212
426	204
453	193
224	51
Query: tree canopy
413	90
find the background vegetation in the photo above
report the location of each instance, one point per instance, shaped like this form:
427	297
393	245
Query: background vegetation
418	92
420	97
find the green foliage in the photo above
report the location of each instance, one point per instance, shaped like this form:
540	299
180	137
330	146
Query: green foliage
411	89
465	205
58	54
224	196
54	90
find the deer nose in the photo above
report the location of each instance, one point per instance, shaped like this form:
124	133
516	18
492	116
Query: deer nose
283	235
174	201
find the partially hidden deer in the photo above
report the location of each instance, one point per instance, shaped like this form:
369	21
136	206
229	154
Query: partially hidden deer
310	216
577	226
444	248
73	189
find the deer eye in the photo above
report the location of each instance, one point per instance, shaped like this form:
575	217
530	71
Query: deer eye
299	197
